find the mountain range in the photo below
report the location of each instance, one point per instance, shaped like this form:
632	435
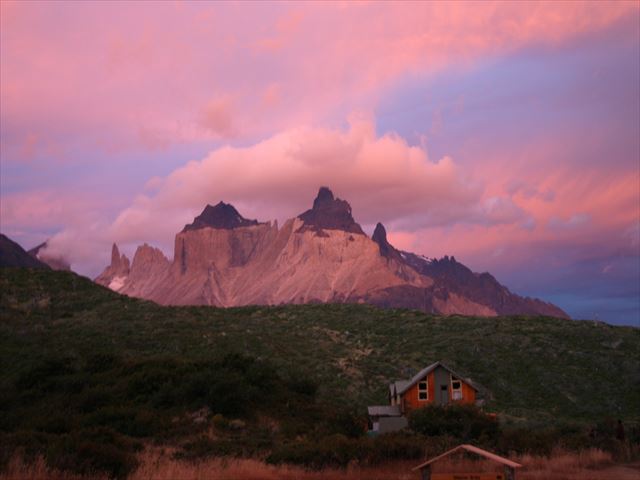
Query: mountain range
320	256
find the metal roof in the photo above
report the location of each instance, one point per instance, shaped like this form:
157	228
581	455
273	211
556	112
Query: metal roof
472	449
400	384
425	371
384	411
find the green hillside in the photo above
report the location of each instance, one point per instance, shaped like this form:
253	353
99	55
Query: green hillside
530	367
77	357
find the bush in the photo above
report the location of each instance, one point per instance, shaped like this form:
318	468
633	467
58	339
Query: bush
101	362
332	451
338	450
220	422
525	440
396	446
347	423
465	422
88	457
43	375
134	422
303	386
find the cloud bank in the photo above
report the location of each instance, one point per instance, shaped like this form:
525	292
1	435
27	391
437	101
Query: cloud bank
383	177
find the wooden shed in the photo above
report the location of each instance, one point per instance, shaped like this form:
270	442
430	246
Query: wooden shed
509	466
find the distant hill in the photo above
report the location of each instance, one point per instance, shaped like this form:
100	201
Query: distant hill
13	255
529	367
321	256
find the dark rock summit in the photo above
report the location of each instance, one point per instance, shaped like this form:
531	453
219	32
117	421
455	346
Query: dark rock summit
329	213
386	249
13	255
223	215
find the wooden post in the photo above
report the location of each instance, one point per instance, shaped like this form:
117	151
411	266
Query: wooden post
509	473
425	472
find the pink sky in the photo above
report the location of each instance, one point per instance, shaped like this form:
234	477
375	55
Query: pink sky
504	133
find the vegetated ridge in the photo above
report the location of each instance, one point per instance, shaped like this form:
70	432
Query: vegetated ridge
320	256
530	367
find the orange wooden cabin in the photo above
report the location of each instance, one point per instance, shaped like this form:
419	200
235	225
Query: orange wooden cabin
435	384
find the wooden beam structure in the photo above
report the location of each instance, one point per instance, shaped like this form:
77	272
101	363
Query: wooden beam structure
509	465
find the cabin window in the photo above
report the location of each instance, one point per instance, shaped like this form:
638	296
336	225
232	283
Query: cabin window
456	389
423	393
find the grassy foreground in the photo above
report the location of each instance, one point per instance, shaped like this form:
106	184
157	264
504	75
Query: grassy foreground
587	465
91	379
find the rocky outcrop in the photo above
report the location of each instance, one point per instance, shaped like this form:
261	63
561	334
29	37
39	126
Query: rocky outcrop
221	215
13	255
116	274
454	278
386	249
322	255
329	213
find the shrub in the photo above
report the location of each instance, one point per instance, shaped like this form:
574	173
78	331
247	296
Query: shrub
42	376
332	451
465	422
396	446
347	423
220	422
88	457
525	440
134	422
303	386
101	362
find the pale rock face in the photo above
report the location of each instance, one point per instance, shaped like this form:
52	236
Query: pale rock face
118	269
147	273
223	259
117	283
263	265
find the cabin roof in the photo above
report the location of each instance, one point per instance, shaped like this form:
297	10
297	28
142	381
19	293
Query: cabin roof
384	411
472	449
425	371
398	385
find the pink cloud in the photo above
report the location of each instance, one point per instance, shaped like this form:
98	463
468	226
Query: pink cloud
155	67
153	75
72	224
382	176
216	118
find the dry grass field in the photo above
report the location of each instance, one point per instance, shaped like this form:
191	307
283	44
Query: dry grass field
158	465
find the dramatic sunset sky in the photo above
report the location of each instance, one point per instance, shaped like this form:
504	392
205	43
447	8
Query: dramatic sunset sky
506	134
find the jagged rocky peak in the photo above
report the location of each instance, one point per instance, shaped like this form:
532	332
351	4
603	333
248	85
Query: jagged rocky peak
147	253
324	198
329	213
386	249
380	235
116	273
118	262
223	215
115	255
